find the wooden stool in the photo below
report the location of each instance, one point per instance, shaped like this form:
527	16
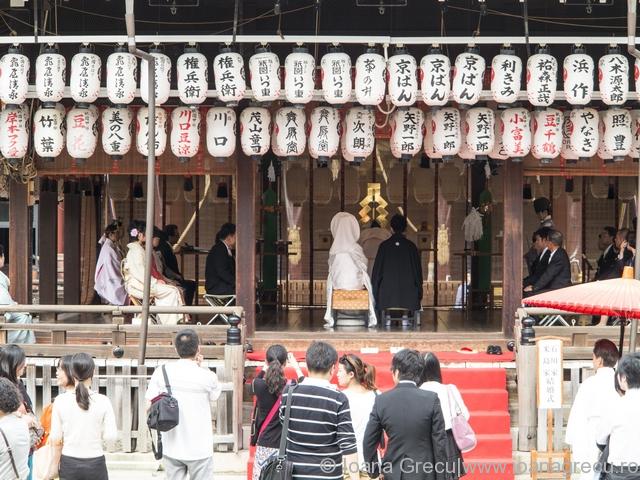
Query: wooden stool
353	303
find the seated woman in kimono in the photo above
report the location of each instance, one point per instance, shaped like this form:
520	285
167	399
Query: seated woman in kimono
108	279
165	295
347	264
14	336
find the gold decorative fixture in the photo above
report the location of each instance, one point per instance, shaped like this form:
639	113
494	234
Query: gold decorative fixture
373	206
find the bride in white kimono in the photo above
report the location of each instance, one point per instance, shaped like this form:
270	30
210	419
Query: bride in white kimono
108	279
164	295
347	263
13	336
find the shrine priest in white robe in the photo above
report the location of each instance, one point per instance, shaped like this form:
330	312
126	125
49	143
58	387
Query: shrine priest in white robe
596	394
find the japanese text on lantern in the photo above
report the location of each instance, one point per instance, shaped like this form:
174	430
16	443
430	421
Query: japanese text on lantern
545	72
88	69
227	79
551	124
116	123
146	132
617	75
221	119
265	67
184	125
47	76
508	67
338	70
517	124
13	128
80	122
439	74
580	89
192	76
483	129
409	131
471	76
17	67
323	131
299	69
550	373
404	81
620	123
450	126
256	128
587	125
367	81
292	132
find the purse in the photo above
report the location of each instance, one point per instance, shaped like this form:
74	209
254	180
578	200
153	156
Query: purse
463	434
278	467
13	462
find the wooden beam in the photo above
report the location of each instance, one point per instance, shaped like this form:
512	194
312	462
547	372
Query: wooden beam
72	216
47	246
19	255
511	245
246	238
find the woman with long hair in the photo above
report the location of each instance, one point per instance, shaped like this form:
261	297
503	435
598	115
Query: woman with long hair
82	419
358	380
108	278
268	386
451	403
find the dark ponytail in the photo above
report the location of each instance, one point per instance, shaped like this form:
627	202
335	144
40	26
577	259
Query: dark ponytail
83	367
275	378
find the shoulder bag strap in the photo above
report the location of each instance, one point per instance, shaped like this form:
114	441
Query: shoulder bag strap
13	462
282	451
270	415
453	403
166	380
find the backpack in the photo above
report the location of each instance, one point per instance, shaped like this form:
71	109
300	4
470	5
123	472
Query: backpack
164	415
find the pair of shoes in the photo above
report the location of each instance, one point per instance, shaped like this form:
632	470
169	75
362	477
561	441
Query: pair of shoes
494	350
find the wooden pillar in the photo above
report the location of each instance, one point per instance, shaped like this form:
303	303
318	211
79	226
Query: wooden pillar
246	238
72	216
19	255
511	245
47	246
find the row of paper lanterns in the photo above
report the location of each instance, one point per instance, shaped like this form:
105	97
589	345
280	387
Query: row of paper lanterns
472	134
400	77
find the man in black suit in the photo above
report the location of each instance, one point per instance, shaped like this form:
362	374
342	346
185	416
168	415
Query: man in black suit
540	238
413	421
169	236
220	270
558	272
607	261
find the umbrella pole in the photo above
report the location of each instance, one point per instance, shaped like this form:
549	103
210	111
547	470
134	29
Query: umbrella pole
623	322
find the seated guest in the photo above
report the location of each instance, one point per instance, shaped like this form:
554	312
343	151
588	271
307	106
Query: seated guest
347	264
220	270
558	272
14	336
108	279
607	261
620	425
540	263
595	396
164	295
370	240
170	236
397	272
542	207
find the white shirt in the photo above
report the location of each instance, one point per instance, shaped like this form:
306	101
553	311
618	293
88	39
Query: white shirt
83	431
194	388
17	434
445	393
552	253
360	404
621	423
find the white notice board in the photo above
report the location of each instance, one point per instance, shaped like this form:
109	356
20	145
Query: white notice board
550	373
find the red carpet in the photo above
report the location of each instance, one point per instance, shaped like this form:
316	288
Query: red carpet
483	391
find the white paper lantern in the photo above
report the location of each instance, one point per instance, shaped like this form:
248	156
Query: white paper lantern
117	131
344	150
468	76
228	74
605	155
14	76
162	77
255	130
192	70
221	132
324	134
335	69
51	70
480	129
435	78
142	131
359	125
617	133
546	126
516	133
185	132
82	132
407	132
48	132
635	134
370	82
122	76
578	77
264	75
566	152
613	72
506	76
445	127
289	132
498	152
584	132
429	139
14	136
84	81
299	76
542	77
402	73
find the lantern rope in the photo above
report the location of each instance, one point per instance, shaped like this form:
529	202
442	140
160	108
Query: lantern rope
293	230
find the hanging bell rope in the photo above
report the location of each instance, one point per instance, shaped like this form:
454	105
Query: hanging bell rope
472	226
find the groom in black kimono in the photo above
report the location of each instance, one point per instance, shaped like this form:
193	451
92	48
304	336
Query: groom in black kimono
397	271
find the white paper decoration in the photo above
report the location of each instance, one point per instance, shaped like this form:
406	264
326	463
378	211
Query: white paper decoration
584	132
480	130
402	72
14	133
299	76
407	130
51	70
617	133
82	132
84	81
185	132
435	81
117	131
578	78
336	77
516	133
566	152
546	127
14	76
255	128
613	72
162	77
289	132
635	134
264	75
324	134
142	131
506	76
370	82
48	132
445	127
542	74
192	70
468	76
122	76
358	131
228	74
221	132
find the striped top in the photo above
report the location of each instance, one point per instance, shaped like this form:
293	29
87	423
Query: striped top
320	430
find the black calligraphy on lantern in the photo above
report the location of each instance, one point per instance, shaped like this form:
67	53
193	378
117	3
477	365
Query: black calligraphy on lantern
256	131
470	76
404	81
616	78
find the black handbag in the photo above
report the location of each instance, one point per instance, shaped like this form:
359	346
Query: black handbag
164	415
278	467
